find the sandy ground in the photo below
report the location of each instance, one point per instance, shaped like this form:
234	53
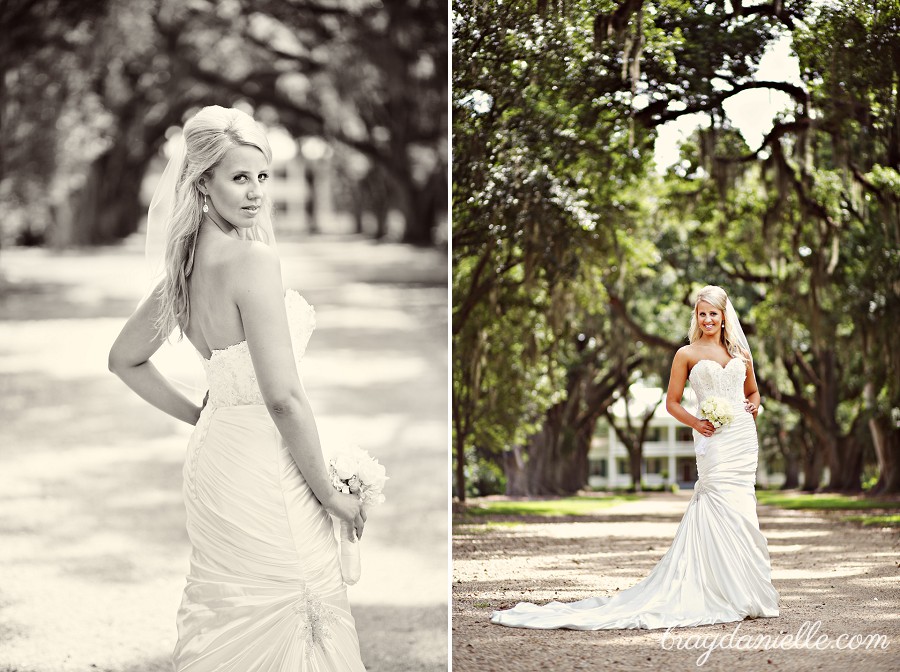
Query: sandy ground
93	551
827	571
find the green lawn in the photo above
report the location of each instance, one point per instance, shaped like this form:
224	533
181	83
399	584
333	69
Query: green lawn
890	520
568	506
823	502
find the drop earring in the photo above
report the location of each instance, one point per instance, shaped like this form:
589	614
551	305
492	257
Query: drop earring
205	206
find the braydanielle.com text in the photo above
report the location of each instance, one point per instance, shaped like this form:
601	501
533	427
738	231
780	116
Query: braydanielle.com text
807	637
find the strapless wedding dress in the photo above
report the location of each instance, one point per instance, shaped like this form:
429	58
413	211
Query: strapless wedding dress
717	569
264	593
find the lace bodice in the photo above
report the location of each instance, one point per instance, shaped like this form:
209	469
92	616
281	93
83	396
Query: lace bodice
229	371
711	379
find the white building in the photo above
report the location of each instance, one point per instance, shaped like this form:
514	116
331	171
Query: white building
668	454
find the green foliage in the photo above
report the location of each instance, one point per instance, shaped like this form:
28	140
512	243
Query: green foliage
557	219
568	506
892	520
822	502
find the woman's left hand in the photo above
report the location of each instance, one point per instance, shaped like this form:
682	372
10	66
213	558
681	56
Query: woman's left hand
750	407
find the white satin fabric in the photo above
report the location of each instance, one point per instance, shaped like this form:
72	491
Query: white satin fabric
264	591
717	569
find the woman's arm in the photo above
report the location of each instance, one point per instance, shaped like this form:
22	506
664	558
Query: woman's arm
129	359
751	390
259	295
675	392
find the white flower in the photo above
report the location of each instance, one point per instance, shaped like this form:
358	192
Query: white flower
354	471
372	473
344	466
718	411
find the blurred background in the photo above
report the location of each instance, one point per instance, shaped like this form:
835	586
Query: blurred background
92	90
353	95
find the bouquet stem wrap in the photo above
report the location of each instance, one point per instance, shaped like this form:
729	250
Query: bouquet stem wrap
351	566
355	472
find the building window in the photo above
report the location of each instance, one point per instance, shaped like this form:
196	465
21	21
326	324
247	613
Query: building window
623	467
598	468
654	434
684	434
653	465
687	470
280	206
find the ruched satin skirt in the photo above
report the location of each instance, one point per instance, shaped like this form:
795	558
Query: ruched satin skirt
716	571
264	591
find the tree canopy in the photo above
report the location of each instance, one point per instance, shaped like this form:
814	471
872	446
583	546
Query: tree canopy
575	260
90	88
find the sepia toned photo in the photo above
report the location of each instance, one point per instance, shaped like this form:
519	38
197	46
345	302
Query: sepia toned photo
223	336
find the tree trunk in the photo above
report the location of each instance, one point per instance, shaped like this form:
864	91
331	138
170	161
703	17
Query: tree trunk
312	201
107	207
887	447
515	472
849	479
421	211
813	466
460	468
555	462
791	471
635	457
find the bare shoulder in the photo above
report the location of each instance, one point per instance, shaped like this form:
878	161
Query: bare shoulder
252	264
685	355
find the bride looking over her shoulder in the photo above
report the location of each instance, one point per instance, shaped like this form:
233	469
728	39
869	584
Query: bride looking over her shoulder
265	590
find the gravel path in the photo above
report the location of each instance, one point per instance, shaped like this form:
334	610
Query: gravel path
93	551
827	571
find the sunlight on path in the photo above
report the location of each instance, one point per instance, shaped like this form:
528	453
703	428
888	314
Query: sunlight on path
93	551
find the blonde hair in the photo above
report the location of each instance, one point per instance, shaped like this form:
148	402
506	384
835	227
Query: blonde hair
718	298
208	136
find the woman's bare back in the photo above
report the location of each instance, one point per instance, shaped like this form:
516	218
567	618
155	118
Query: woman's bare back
215	321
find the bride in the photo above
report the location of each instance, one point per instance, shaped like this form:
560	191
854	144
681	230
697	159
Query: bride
264	591
717	569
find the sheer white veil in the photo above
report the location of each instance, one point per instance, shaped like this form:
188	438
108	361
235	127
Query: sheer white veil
737	331
162	205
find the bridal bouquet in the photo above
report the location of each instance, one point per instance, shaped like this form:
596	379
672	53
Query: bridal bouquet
354	472
719	412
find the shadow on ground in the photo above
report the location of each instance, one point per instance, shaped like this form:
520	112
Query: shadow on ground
93	550
826	570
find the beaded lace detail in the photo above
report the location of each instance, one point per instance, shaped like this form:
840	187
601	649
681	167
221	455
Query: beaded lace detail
710	379
229	371
315	620
700	489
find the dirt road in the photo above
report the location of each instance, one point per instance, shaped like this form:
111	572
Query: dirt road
840	575
93	552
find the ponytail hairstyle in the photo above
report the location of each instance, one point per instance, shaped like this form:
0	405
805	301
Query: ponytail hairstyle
717	298
208	136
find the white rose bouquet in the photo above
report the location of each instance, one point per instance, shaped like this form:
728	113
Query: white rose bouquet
719	412
354	472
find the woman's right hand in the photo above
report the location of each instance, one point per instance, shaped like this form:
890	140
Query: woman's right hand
705	427
347	508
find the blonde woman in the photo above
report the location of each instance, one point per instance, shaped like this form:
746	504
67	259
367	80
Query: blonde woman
264	590
717	569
